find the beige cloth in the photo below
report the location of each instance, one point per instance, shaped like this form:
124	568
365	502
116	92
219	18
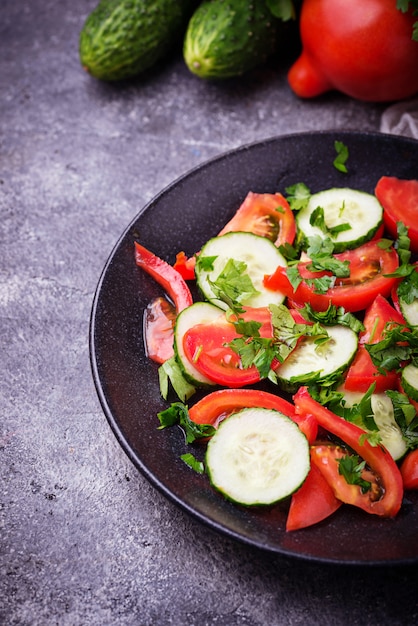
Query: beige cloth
401	119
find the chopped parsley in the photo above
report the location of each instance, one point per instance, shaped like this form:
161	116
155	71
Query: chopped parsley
233	285
262	351
360	413
399	345
321	260
341	158
317	218
206	262
298	196
177	413
193	463
320	253
351	468
403	5
408	288
333	315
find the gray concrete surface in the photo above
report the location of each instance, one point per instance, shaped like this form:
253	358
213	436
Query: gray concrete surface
84	539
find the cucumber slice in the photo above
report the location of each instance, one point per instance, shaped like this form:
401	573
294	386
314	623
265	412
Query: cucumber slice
258	253
360	211
389	430
197	313
257	456
384	417
409	381
409	311
330	358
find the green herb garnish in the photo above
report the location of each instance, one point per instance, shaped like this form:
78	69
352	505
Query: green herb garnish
178	413
351	468
260	352
298	196
403	5
233	285
332	316
341	158
317	219
193	463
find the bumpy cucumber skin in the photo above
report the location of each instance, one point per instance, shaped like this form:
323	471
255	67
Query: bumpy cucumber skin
122	38
227	38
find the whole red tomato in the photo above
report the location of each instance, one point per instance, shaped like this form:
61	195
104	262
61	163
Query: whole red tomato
363	48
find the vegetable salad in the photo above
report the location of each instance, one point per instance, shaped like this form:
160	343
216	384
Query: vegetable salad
318	295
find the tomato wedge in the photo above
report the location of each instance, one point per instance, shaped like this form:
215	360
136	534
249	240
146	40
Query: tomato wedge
399	199
369	265
378	459
267	215
217	405
205	345
165	275
326	458
159	318
409	470
362	372
312	503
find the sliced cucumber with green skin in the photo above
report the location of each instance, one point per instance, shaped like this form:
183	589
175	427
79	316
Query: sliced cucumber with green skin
330	358
409	381
409	311
384	417
359	212
257	457
197	313
260	256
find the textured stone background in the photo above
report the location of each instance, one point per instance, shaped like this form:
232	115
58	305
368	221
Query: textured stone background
84	538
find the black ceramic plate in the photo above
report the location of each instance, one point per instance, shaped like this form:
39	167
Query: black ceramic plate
183	217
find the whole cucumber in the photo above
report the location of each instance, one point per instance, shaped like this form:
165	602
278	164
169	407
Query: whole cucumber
227	38
122	38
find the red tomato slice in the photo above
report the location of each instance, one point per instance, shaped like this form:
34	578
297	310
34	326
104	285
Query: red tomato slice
409	470
159	318
362	372
399	199
267	215
312	503
325	457
368	265
205	347
218	405
380	462
379	315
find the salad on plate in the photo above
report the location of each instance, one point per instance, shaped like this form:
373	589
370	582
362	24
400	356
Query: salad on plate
317	294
